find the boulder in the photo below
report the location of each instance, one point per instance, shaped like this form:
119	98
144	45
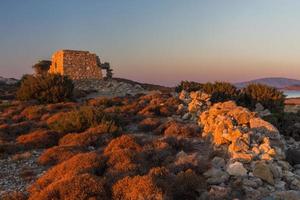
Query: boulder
236	169
263	171
293	156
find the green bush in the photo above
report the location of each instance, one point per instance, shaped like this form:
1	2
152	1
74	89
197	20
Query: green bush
50	88
42	67
221	91
188	86
80	119
269	97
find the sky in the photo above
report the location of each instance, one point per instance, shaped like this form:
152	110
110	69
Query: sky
157	41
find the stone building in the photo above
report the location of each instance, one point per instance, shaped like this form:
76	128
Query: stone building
77	65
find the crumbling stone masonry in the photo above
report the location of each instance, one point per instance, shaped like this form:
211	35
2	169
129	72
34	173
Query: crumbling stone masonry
77	65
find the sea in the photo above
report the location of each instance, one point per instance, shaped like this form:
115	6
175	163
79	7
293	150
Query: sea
292	93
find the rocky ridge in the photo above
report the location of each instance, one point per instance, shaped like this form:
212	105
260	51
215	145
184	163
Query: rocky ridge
255	150
109	88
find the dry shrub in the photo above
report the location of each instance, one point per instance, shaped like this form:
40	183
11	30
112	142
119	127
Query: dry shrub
78	120
187	185
123	156
150	96
33	112
38	139
58	154
104	102
63	106
22	156
81	163
131	108
9	148
49	88
19	128
92	137
174	128
150	110
122	142
13	196
80	187
149	124
137	187
192	161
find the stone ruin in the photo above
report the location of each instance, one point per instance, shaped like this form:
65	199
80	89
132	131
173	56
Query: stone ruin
78	65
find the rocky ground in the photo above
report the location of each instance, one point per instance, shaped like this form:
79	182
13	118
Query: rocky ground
178	146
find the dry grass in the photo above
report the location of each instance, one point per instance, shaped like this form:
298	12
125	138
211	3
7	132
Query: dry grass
79	187
79	164
137	187
58	154
38	139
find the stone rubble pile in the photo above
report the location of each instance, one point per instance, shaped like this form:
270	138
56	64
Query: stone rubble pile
109	87
256	152
195	103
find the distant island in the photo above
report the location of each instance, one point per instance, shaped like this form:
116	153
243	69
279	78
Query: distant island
277	82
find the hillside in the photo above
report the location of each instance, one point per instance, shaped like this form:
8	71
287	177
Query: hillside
277	82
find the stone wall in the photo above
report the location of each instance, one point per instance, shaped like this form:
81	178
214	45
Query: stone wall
76	64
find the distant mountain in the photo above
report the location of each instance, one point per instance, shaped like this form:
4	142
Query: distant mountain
277	82
8	81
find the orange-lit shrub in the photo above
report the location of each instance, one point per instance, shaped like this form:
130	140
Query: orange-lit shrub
149	124
13	196
92	137
39	139
79	187
174	128
137	187
58	154
123	157
33	112
79	164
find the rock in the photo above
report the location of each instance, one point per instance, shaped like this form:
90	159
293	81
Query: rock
184	96
276	171
287	195
293	156
295	184
297	125
242	157
186	116
263	171
216	176
285	165
250	183
297	172
297	166
251	193
236	169
264	113
259	107
280	185
260	125
217	192
218	162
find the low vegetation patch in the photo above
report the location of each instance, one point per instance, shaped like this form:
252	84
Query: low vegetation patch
50	88
80	119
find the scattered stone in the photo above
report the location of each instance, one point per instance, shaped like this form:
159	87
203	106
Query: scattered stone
287	195
215	176
293	156
186	116
218	162
236	169
263	171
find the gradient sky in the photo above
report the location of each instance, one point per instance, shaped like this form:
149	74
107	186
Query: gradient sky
157	41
